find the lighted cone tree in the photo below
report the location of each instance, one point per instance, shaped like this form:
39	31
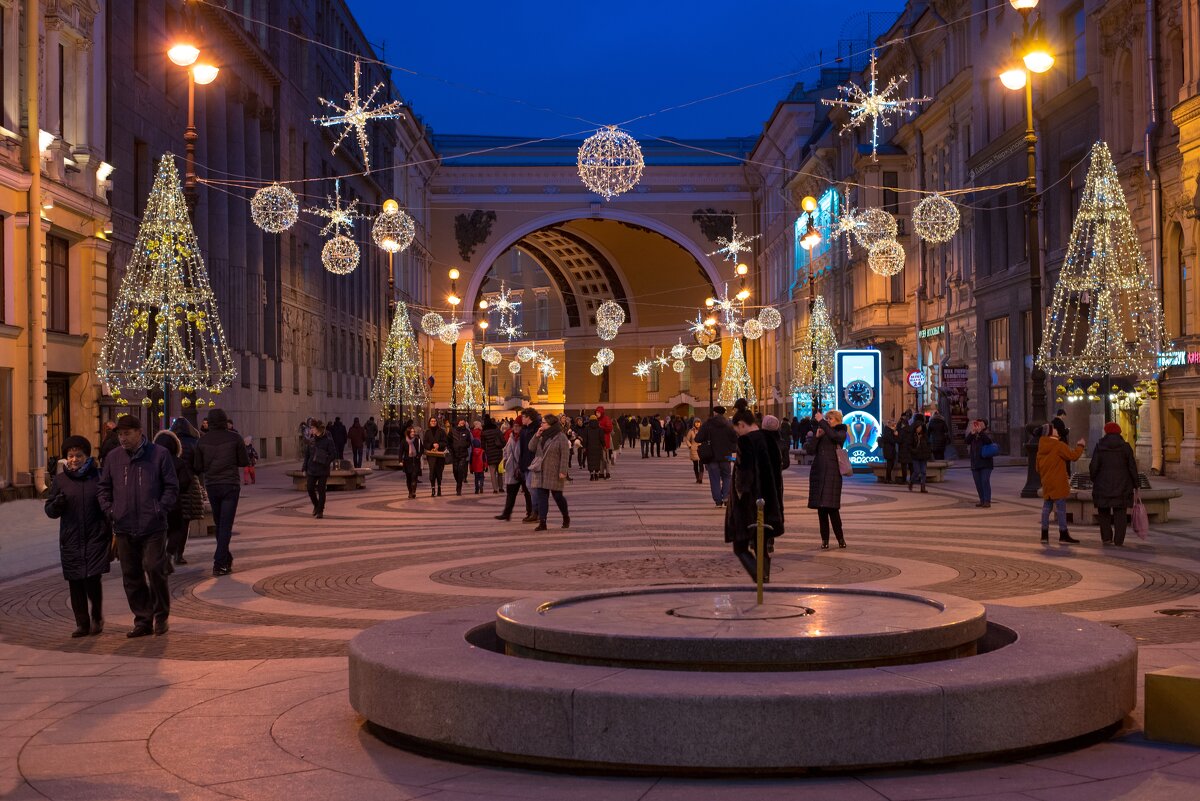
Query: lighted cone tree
1105	318
468	389
400	382
812	370
164	331
735	378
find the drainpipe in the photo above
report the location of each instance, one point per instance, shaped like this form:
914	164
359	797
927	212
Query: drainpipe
35	270
920	184
1151	165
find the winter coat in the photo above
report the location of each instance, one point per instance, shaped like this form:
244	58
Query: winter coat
919	449
137	489
479	462
549	461
372	431
904	443
756	474
692	445
512	458
593	445
435	439
656	430
460	444
320	456
719	431
825	476
357	435
606	426
939	433
644	432
527	434
411	451
83	532
670	440
188	437
797	431
220	455
337	432
975	443
1114	473
887	441
493	445
1052	457
110	442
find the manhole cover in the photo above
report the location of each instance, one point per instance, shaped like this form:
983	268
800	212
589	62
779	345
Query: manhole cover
1178	612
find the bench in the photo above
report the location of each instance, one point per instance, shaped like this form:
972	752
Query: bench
935	471
1156	501
338	479
798	455
384	461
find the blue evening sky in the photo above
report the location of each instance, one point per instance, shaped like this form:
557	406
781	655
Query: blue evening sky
607	62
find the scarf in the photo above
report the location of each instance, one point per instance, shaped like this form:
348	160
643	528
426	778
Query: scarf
82	471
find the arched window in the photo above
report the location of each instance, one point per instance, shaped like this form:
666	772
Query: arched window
1174	68
1185	300
1124	96
1176	282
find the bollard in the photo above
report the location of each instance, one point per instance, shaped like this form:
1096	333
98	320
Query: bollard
759	552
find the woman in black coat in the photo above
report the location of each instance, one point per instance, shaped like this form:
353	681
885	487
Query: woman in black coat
920	452
904	443
177	519
436	442
84	537
887	441
825	476
593	448
756	475
411	450
1114	481
493	450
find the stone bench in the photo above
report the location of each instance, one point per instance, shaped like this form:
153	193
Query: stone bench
798	455
386	462
338	479
1157	503
935	471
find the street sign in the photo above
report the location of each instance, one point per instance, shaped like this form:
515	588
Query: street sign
916	379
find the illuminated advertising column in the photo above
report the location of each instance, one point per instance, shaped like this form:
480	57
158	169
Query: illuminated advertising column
859	381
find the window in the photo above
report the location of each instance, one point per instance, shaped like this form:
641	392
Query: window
999	377
58	290
494	382
655	374
141	176
891	198
543	384
1074	25
542	312
141	37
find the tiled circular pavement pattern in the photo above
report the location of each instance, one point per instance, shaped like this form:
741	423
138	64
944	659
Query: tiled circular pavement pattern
245	696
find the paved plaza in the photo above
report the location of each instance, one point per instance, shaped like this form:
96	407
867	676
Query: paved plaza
246	696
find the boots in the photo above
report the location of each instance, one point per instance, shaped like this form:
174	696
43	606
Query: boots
910	487
541	526
1065	536
1046	535
439	488
923	487
566	522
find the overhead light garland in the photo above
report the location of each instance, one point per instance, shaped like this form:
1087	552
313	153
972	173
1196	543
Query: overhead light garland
610	162
393	229
935	219
274	208
491	355
609	318
506	307
340	255
880	107
769	318
847	223
356	113
874	226
432	323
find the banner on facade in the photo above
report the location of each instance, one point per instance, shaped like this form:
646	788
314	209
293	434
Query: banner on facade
954	389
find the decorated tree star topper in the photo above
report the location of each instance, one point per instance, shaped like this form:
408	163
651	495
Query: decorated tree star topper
878	106
357	113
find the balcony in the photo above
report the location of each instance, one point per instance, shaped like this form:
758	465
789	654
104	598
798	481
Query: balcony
880	322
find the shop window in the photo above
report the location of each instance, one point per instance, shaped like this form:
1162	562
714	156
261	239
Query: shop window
999	374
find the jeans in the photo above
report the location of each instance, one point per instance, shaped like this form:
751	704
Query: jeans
497	479
918	472
357	455
144	575
510	499
645	449
1112	524
84	591
224	500
543	503
1060	513
370	449
720	474
479	481
983	483
316	493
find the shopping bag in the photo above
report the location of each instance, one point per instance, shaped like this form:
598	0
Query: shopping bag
844	466
1141	520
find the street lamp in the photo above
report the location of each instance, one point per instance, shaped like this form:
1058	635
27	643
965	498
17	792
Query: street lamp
453	299
483	328
1036	59
711	322
186	55
810	239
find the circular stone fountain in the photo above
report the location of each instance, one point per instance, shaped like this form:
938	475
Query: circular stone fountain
703	679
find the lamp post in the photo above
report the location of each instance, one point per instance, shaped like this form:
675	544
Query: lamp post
1036	59
710	322
483	327
391	245
811	238
453	299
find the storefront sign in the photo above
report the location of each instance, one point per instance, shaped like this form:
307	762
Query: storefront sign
1178	358
932	331
954	377
916	379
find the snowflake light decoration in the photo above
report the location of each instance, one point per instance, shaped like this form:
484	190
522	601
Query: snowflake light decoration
847	223
729	307
507	307
736	244
876	105
341	219
642	369
356	114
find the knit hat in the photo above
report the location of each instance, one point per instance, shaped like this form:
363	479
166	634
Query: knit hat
770	422
81	443
218	419
1112	428
127	422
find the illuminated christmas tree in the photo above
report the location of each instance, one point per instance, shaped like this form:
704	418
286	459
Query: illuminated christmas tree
164	330
735	379
400	382
468	389
812	370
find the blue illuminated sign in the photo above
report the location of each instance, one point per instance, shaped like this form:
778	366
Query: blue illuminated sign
858	378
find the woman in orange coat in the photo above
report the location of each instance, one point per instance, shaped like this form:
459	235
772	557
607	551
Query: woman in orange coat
1052	458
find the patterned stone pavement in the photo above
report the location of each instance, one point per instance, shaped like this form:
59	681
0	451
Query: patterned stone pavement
246	696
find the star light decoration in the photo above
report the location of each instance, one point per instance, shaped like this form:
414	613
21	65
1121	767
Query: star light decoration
847	222
878	106
506	307
356	114
341	219
736	244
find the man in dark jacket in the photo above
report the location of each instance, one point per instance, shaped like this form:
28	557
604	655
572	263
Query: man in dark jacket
939	435
1114	481
219	459
358	438
371	429
493	450
337	430
722	439
317	460
137	488
460	453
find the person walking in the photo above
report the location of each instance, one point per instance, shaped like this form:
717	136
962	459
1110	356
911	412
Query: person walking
436	443
548	470
904	443
220	455
460	454
1114	482
825	475
887	443
511	459
756	476
372	431
136	489
919	451
178	518
670	438
1053	456
411	451
249	475
981	465
318	461
797	431
593	448
656	435
693	447
84	537
493	450
357	435
337	430
939	435
191	495
531	423
606	428
717	456
479	462
644	434
109	440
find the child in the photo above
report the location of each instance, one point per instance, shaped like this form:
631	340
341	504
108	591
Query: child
248	476
478	460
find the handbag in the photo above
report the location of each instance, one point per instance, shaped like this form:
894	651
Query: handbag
705	451
844	466
1141	520
989	450
500	467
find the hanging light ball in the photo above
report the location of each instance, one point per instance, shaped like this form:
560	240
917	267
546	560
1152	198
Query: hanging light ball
274	209
698	354
432	324
935	219
678	351
610	314
605	356
514	367
448	334
610	162
491	355
752	328
713	351
770	318
875	225
597	368
886	257
607	333
340	255
526	354
393	231
146	401
678	365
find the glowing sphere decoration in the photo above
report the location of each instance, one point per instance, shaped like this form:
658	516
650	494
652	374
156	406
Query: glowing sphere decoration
274	208
448	334
491	355
713	351
605	356
678	365
340	255
935	219
752	328
678	351
393	231
610	162
432	324
769	318
610	314
526	354
514	367
698	354
874	226
886	258
597	368
607	333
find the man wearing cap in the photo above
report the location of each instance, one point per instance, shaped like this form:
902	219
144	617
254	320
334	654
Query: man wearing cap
718	432
219	459
138	486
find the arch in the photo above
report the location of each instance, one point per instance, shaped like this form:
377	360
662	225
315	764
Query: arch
617	215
